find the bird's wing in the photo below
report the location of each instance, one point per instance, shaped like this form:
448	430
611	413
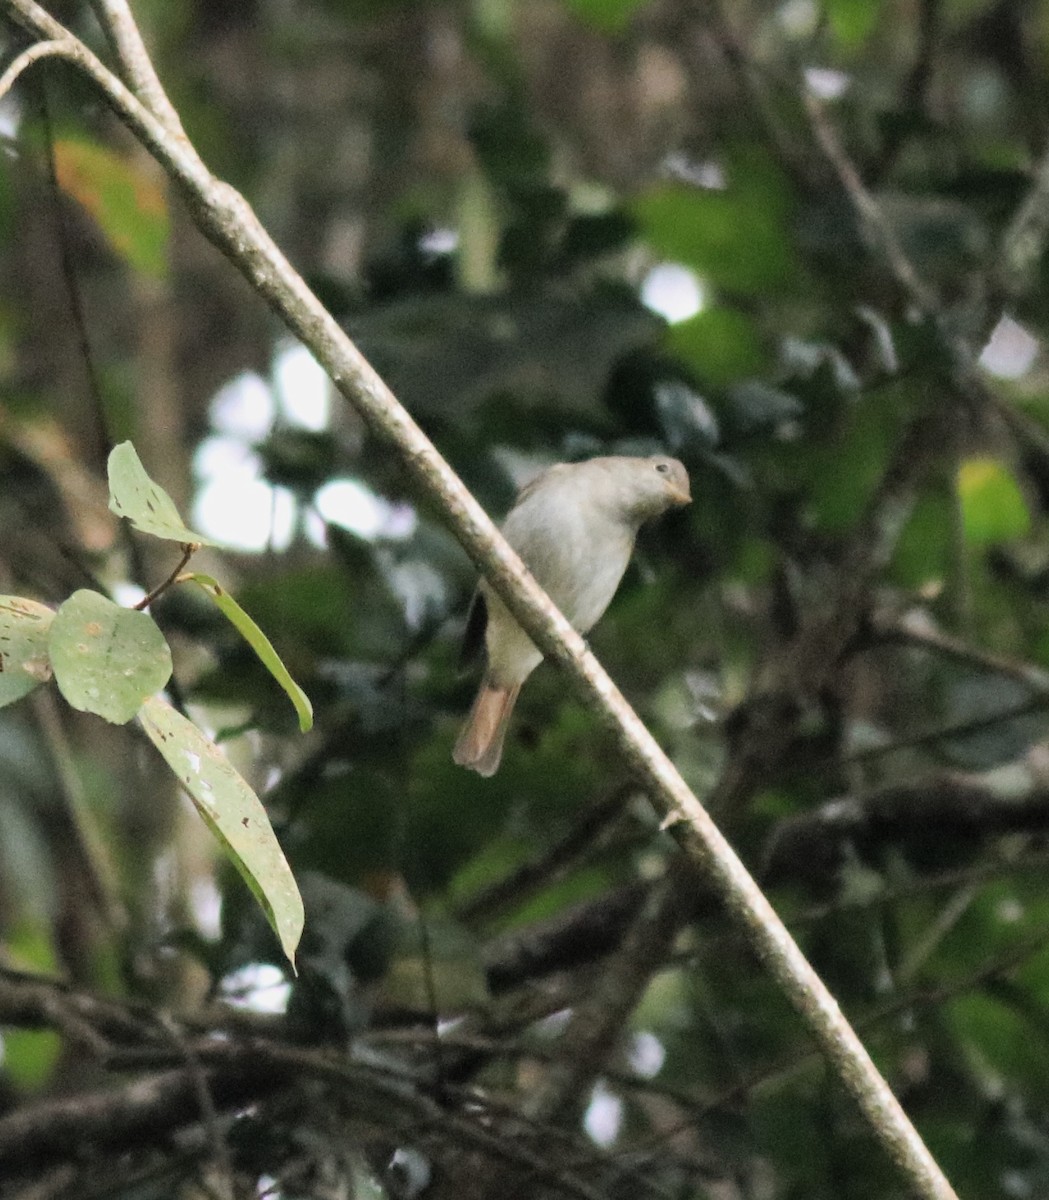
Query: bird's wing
473	635
529	488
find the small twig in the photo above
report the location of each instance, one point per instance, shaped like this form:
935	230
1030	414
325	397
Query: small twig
78	1032
116	19
61	47
1024	240
983	872
805	665
67	264
599	1019
551	865
792	1064
911	630
947	733
874	227
933	935
752	85
916	85
205	1100
95	857
188	550
432	1003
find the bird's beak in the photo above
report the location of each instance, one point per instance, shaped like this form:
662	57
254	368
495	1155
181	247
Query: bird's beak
680	496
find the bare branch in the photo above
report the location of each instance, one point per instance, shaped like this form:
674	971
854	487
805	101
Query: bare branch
61	47
135	64
914	629
599	1019
1025	237
764	727
876	230
151	1106
929	810
593	828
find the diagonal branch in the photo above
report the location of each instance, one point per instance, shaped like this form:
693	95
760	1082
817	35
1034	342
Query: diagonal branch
874	227
135	64
599	1019
1026	235
228	221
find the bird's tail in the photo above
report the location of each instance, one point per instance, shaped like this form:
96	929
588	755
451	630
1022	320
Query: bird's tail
480	744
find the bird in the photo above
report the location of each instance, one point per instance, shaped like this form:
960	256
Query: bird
574	527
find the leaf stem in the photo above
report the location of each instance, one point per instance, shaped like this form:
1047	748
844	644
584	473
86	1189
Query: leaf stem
188	550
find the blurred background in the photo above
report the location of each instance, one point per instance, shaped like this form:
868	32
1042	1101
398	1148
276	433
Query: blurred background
797	245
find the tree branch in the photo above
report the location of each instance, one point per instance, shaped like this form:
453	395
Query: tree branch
929	811
592	828
598	1020
135	64
228	221
915	629
1024	240
151	1106
59	47
874	227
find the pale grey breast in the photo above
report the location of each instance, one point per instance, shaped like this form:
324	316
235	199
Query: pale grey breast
578	562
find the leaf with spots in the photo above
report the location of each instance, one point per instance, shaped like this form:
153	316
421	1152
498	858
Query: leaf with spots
233	813
107	659
24	660
146	505
260	643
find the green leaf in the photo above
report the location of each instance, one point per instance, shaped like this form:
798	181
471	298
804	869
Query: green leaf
24	660
30	1057
233	813
124	197
721	346
107	659
993	507
260	643
610	16
922	559
853	21
146	505
737	237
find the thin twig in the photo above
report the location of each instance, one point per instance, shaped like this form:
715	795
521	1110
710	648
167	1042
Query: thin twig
188	550
549	866
794	1063
205	1100
912	630
1024	240
61	47
752	86
874	226
946	733
97	862
599	1019
915	87
67	263
135	64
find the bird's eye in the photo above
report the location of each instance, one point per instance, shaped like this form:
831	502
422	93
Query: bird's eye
663	468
